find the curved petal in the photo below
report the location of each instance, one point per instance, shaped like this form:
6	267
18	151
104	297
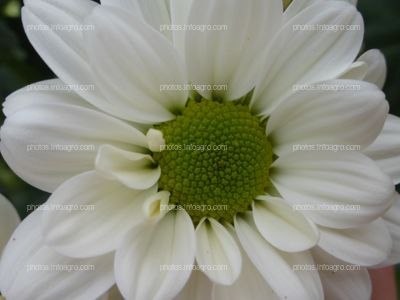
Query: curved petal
155	261
290	284
88	215
349	282
283	227
233	57
134	170
333	189
295	7
55	29
50	140
385	150
392	222
366	246
198	287
341	117
9	220
249	285
143	76
302	54
217	248
376	63
31	270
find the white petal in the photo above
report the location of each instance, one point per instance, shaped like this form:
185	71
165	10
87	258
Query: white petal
392	222
283	227
9	220
249	285
366	246
356	71
301	56
270	262
341	117
55	29
49	137
180	10
156	206
198	287
146	62
134	170
31	270
346	283
217	248
376	63
232	57
155	140
296	7
340	190
89	215
155	260
385	150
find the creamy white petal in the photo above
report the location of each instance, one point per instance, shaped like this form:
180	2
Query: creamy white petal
31	270
366	246
347	283
249	285
217	248
180	10
356	71
156	206
385	150
334	189
55	29
146	63
341	117
89	215
9	220
301	55
155	259
290	284
392	222
198	287
295	7
233	57
134	170
282	226
376	67
47	141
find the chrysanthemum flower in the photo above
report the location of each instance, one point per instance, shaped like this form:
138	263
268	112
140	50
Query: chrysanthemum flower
208	178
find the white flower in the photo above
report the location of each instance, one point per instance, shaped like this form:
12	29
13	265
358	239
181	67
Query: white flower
129	210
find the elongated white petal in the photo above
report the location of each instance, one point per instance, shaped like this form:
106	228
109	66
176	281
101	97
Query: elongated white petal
290	284
180	10
347	117
385	150
31	270
217	252
140	76
49	137
347	282
155	260
134	170
198	287
232	57
366	246
303	54
282	226
340	190
55	29
249	285
392	221
89	215
9	220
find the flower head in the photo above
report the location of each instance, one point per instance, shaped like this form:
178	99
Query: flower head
218	149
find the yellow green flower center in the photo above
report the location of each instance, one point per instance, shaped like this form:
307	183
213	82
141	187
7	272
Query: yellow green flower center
215	160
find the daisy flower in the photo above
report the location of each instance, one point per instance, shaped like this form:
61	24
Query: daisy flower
181	158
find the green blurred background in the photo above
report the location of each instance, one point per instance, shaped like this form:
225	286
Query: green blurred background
20	65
